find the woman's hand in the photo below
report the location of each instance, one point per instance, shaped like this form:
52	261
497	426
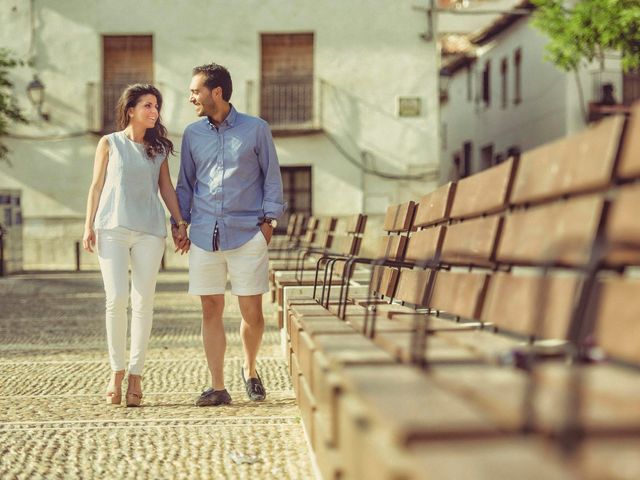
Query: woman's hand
180	238
89	239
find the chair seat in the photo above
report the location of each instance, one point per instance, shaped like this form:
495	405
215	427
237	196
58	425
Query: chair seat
410	404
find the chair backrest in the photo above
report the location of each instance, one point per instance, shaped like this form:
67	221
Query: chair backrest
321	236
384	281
412	287
458	293
617	313
476	205
559	233
294	218
391	247
396	225
425	245
622	225
399	218
485	192
433	208
472	242
516	303
327	224
356	224
310	229
349	239
579	163
301	224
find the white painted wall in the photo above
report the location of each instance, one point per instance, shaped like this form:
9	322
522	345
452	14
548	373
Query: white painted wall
550	106
538	118
369	51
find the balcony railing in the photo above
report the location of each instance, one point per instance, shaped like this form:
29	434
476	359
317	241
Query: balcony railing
609	94
287	102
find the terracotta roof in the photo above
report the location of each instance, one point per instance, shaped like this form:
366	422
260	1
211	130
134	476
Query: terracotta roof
458	51
501	24
453	43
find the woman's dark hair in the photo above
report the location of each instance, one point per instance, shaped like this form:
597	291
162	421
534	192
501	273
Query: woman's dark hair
155	139
216	76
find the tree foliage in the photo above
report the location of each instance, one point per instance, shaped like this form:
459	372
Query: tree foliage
9	110
583	30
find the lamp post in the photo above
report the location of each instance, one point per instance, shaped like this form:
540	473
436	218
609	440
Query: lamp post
35	92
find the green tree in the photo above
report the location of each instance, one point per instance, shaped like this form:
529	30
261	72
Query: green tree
9	110
584	30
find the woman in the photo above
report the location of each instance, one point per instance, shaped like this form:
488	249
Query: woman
123	206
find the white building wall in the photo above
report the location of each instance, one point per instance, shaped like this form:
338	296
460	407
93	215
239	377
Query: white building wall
551	100
540	116
370	52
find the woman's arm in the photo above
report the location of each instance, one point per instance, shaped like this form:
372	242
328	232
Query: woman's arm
168	194
95	190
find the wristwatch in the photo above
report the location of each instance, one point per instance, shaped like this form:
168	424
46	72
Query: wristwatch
180	224
272	222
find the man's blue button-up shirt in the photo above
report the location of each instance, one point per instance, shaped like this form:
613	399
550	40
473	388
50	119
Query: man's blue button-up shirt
229	177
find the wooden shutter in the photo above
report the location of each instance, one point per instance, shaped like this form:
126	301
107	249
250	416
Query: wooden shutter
286	94
127	59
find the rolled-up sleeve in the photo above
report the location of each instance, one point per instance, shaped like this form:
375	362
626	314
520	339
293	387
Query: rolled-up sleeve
186	179
273	204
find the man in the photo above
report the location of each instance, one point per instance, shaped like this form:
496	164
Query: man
230	191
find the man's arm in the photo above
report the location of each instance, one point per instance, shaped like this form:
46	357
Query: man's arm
186	179
273	205
184	191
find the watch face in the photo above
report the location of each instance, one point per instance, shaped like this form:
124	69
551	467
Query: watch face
273	222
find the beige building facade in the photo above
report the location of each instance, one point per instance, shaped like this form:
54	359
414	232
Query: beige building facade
349	88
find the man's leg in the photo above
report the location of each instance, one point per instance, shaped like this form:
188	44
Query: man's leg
213	337
249	272
251	330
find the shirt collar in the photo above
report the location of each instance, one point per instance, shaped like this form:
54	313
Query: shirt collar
229	121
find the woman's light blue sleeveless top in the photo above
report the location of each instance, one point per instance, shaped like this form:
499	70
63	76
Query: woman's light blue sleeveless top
129	196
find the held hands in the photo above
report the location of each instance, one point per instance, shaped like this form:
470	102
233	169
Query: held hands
267	231
89	239
180	239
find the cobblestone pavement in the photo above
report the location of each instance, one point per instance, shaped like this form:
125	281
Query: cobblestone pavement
54	422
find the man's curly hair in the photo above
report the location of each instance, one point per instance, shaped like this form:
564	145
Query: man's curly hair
216	76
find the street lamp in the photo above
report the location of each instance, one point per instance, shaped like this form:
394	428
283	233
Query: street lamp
35	92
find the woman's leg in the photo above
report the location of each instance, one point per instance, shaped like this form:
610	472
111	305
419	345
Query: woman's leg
146	254
113	256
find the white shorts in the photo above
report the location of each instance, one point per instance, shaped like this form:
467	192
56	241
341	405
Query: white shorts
248	267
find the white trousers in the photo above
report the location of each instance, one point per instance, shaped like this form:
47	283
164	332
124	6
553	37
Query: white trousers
116	247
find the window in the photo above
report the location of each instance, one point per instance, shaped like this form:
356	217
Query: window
517	61
443	133
127	59
296	183
631	87
286	87
486	84
467	160
503	73
513	151
457	167
486	154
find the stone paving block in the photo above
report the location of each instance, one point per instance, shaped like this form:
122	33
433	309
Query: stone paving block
40	379
54	369
181	450
15	412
